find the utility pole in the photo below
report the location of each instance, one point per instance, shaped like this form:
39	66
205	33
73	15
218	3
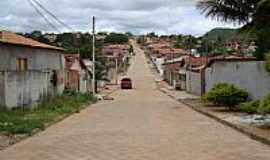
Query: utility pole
116	70
94	59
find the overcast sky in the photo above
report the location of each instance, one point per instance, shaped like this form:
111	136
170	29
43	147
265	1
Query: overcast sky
137	16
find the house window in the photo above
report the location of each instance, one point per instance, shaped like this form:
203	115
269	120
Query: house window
21	64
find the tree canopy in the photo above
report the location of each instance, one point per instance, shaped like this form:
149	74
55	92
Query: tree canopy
240	11
116	38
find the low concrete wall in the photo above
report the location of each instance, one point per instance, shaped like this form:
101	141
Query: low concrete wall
27	88
193	83
85	82
248	75
159	64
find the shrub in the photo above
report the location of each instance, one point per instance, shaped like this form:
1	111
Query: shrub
227	95
250	107
267	66
264	107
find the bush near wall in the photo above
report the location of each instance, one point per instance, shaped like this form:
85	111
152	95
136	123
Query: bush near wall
267	58
250	107
25	121
258	106
264	107
226	95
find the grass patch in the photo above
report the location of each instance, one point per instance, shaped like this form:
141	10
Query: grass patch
25	121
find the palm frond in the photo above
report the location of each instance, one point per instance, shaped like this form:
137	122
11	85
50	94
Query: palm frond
228	10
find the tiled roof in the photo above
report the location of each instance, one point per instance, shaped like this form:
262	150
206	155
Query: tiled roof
156	46
203	62
197	61
13	38
172	51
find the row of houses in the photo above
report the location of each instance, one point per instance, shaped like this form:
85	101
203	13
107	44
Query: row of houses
117	51
237	46
31	71
198	74
117	55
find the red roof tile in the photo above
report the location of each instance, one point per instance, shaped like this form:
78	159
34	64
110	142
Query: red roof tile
13	38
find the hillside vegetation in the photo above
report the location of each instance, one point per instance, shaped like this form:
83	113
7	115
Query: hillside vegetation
226	34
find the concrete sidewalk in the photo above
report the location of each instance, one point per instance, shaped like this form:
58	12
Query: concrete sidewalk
178	95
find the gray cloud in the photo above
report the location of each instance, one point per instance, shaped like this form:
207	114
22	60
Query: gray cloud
138	16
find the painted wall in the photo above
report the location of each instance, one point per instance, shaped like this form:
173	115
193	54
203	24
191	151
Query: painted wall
85	82
27	87
2	89
183	78
193	83
159	64
38	59
250	76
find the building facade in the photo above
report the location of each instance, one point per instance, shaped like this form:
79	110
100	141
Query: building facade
29	71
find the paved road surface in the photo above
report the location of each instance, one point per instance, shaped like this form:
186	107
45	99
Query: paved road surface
142	124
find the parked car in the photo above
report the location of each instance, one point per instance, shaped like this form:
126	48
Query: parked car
126	83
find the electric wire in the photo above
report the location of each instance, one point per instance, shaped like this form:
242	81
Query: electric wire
53	15
43	16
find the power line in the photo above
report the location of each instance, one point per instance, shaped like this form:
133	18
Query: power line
43	16
52	15
3	27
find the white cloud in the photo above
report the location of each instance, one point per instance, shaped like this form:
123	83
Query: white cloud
138	16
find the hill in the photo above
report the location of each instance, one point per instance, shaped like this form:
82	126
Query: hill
221	34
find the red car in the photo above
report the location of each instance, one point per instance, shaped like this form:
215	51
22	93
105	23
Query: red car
126	83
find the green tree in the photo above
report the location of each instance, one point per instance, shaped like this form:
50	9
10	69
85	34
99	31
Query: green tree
263	42
185	42
268	62
101	70
152	35
38	36
241	11
129	34
102	33
116	38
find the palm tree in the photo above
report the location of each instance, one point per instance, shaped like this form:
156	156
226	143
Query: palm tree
247	12
262	14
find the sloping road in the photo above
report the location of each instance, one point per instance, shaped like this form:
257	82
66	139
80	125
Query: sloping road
141	124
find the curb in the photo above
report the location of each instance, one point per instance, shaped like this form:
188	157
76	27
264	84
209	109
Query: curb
235	127
113	91
228	124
